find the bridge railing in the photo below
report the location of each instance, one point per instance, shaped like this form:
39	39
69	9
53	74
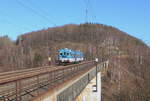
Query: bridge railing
69	90
15	85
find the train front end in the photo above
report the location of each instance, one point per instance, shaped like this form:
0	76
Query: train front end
65	56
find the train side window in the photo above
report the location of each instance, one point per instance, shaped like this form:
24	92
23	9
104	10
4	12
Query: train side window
72	55
64	53
67	53
60	53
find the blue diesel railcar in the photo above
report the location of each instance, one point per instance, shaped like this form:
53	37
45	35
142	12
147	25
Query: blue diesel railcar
70	56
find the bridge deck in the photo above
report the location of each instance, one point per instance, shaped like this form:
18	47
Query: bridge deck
71	88
24	85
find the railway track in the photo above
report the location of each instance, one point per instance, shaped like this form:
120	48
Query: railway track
23	84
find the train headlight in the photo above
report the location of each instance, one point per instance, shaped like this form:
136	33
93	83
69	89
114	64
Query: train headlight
96	59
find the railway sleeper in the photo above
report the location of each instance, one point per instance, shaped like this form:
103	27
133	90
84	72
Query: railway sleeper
4	98
30	93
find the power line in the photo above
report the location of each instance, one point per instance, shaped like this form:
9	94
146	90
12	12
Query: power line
88	10
34	11
41	10
18	27
10	21
92	10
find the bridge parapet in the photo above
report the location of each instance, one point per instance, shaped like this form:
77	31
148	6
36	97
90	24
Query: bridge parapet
24	85
69	90
31	84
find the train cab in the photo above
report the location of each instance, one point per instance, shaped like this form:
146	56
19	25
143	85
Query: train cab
69	56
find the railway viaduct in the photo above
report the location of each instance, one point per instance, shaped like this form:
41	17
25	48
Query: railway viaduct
62	83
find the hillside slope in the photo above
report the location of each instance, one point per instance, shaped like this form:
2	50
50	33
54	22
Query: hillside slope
128	76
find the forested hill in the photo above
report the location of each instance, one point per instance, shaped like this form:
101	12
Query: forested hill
128	76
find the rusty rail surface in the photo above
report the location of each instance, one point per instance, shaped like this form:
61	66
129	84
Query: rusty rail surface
16	85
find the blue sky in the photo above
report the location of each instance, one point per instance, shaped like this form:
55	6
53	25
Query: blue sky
21	16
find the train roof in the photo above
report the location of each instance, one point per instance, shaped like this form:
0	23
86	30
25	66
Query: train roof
65	50
69	50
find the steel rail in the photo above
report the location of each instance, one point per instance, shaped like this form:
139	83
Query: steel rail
53	76
22	75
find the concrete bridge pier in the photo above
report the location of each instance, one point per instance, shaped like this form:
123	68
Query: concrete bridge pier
89	94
